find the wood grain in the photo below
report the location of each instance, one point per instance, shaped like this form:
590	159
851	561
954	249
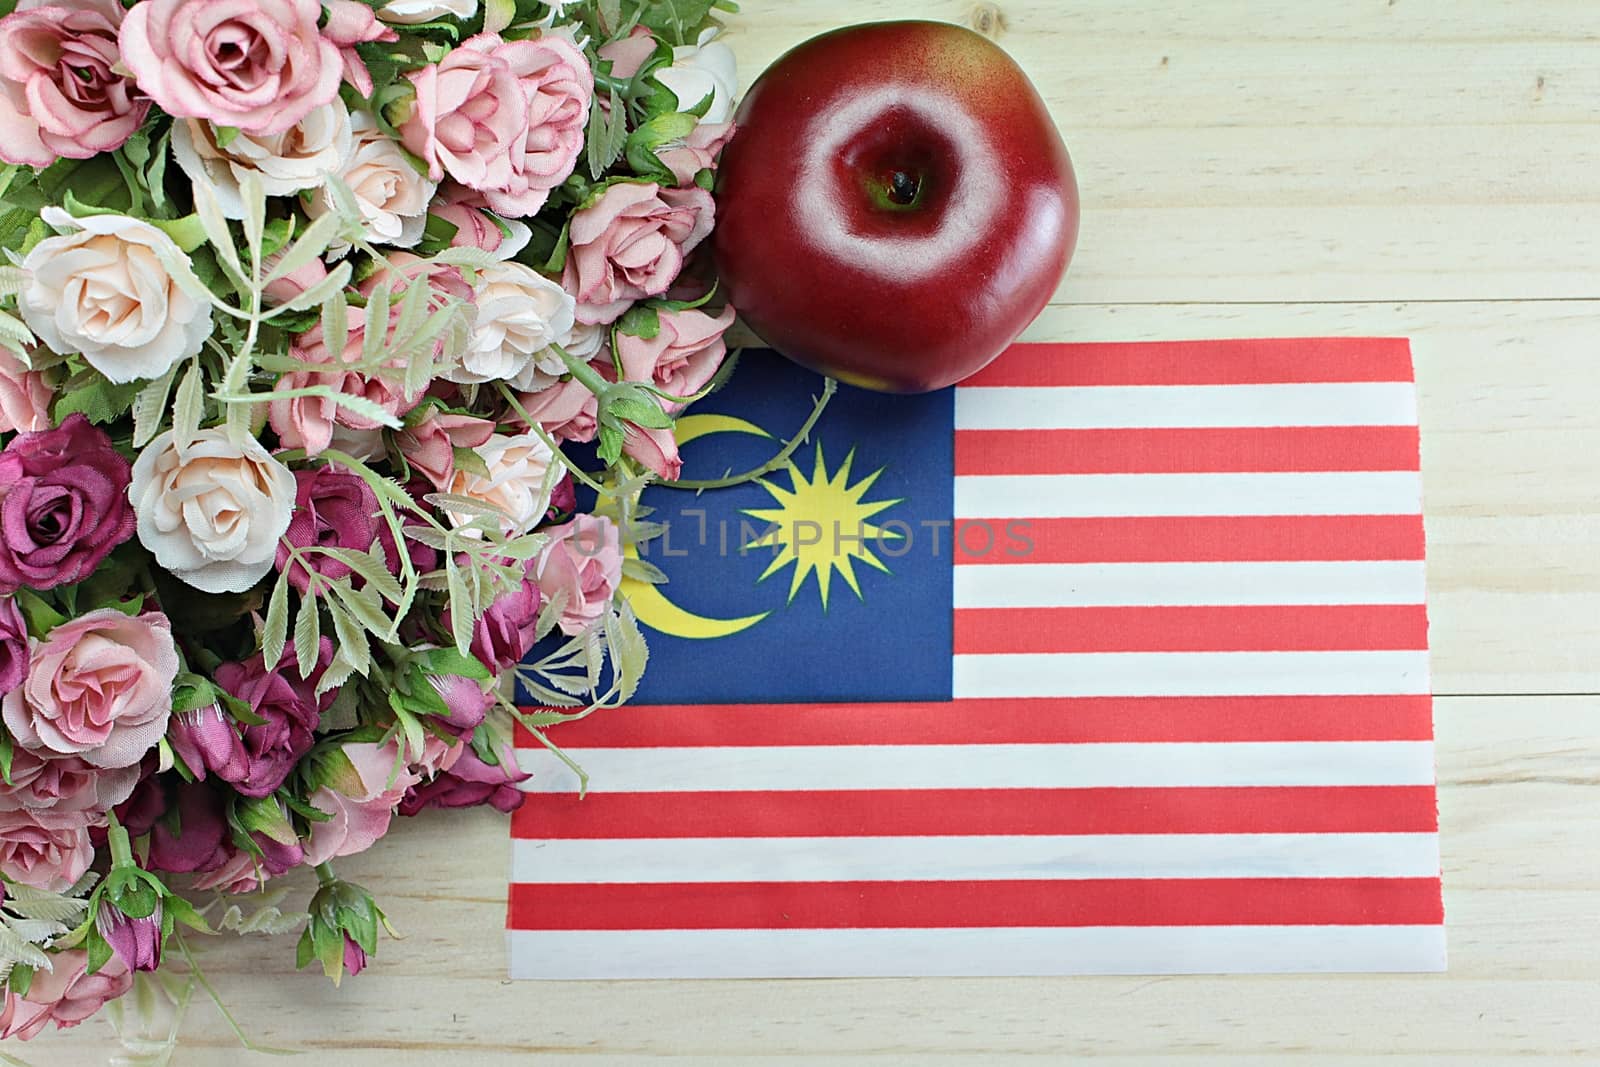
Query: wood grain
1425	168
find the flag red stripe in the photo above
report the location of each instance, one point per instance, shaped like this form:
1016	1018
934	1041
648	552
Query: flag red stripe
1187	451
980	812
1088	902
1195	539
1241	362
1211	628
1065	720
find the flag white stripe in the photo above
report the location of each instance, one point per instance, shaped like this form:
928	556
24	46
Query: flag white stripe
849	859
958	952
1158	674
1162	406
1097	585
957	766
1071	496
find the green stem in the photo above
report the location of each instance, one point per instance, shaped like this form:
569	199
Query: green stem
121	847
590	378
325	875
829	386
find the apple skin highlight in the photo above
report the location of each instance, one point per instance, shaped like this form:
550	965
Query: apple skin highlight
896	207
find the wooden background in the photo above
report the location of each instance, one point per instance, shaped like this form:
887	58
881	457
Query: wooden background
1428	168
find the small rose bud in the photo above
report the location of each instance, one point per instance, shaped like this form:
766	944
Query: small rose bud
207	742
136	942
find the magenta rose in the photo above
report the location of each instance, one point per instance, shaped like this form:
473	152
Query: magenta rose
351	23
66	995
469	115
245	872
65	783
63	505
99	687
61	92
630	244
292	711
260	66
48	850
333	508
557	85
13	646
359	802
681	358
582	561
567	410
469	783
208	742
505	632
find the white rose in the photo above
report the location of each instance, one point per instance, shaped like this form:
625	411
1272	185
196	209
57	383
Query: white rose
212	512
698	69
117	290
520	314
586	340
411	12
515	486
285	163
392	194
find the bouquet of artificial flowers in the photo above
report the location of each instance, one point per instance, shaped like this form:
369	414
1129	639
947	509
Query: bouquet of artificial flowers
317	319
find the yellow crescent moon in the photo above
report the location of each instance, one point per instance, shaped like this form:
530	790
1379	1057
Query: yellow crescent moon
650	603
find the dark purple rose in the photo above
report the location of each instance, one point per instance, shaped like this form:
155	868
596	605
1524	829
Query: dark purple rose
333	508
469	783
136	942
199	841
148	802
291	708
466	699
563	500
13	646
505	633
207	740
63	505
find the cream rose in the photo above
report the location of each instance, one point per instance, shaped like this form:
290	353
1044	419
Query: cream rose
392	195
212	511
299	158
515	485
706	67
520	314
411	12
117	290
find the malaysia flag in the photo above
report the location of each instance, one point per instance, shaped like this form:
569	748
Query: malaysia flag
1112	659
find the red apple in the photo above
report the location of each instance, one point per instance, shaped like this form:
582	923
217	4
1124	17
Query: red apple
896	206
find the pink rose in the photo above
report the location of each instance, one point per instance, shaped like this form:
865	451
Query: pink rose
284	289
351	23
656	449
67	994
48	850
99	687
558	85
24	396
471	782
260	66
308	421
464	209
630	244
629	54
567	411
65	783
582	561
430	445
469	115
697	152
60	92
360	803
681	358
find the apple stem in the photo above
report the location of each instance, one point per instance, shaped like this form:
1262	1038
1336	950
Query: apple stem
903	188
789	449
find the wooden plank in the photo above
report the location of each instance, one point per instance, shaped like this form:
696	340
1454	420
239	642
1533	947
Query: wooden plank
1269	152
1522	880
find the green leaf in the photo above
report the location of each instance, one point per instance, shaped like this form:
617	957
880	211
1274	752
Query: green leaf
189	409
150	407
97	399
641	321
224	135
20	979
307	636
99	951
38	613
276	631
608	134
7	751
312	244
